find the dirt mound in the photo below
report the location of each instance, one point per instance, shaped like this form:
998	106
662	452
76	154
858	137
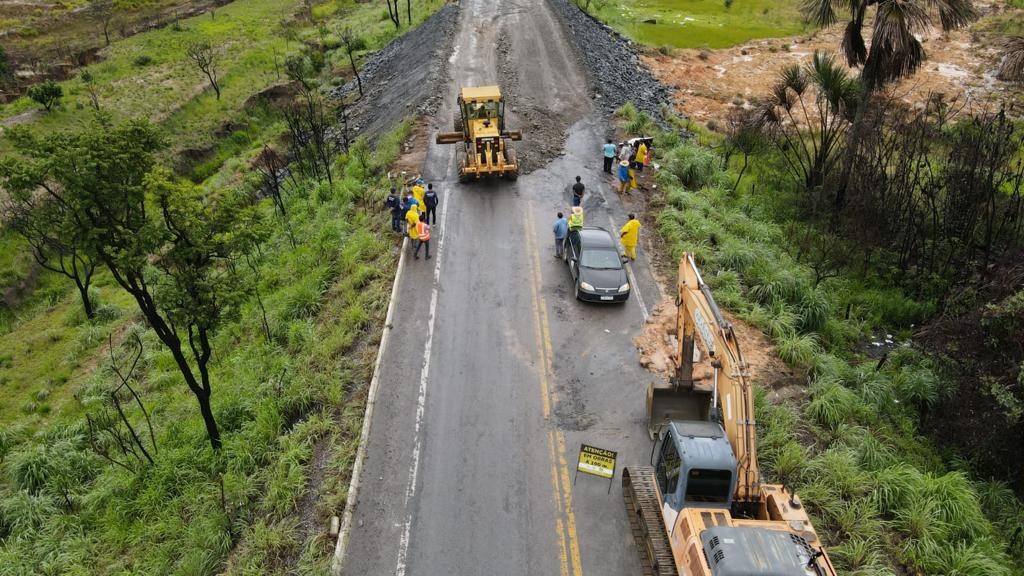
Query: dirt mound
616	71
657	345
406	78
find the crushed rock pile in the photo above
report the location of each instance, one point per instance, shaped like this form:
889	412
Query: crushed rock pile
615	69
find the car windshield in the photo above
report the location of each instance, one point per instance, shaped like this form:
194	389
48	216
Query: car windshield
601	259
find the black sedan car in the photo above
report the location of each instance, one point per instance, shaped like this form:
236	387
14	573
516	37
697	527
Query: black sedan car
596	267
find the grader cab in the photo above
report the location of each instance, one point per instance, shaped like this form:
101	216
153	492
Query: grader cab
480	128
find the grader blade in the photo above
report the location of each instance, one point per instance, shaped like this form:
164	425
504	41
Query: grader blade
450	137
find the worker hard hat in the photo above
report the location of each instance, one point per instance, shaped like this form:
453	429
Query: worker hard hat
577	210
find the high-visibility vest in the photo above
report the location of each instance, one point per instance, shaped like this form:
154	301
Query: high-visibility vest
575	221
423	231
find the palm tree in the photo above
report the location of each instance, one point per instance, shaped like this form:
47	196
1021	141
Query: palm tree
1012	67
895	52
807	116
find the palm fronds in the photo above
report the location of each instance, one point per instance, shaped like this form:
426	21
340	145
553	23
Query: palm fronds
1011	69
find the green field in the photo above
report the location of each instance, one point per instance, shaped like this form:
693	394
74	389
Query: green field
700	23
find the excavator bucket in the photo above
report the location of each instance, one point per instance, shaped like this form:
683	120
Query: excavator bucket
672	402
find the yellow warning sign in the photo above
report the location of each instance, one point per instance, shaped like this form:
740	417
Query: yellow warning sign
596	461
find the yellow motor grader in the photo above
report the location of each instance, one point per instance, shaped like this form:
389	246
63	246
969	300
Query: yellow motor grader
480	128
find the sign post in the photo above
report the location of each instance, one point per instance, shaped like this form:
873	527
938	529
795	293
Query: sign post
596	462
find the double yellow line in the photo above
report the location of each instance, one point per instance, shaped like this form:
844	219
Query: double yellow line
565	522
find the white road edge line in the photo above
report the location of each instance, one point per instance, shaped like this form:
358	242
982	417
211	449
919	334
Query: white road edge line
634	285
410	491
371	400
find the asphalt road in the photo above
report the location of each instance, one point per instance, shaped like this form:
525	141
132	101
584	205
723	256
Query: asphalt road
493	374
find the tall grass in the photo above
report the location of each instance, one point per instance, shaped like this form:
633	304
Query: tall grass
883	498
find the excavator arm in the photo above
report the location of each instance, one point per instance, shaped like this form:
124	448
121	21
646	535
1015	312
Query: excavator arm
722	385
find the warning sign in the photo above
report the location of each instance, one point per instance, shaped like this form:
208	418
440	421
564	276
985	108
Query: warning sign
596	461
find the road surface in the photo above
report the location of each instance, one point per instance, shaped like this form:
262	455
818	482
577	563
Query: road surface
493	374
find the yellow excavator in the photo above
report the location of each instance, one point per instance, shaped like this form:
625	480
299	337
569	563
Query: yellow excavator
701	509
480	128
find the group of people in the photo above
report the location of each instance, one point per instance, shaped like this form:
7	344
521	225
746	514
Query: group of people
629	234
414	213
631	161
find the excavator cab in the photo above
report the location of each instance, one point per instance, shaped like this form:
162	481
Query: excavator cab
694	466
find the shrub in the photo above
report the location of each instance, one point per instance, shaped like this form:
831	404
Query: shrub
693	165
814	310
142	60
831	405
47	93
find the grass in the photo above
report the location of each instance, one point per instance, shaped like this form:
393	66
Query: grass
289	408
252	37
881	495
280	403
700	23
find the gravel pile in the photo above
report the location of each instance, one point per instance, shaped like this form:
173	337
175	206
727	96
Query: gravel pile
616	73
405	78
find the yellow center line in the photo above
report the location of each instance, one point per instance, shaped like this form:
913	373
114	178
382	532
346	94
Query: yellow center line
556	437
546	409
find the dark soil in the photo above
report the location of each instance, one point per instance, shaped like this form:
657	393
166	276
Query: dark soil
405	79
616	72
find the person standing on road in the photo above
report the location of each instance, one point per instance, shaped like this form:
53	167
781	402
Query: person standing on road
609	155
423	238
630	234
412	218
410	203
641	154
576	221
577	192
431	200
417	193
624	177
561	231
394	203
625	152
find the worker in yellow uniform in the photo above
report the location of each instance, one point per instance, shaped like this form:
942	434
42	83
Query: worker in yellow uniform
641	155
630	234
417	192
413	218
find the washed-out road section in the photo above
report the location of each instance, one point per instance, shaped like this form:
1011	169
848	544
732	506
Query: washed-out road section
493	375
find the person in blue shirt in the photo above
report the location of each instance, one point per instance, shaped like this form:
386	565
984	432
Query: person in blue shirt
561	230
609	155
411	201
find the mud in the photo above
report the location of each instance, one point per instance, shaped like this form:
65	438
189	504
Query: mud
657	345
407	78
616	71
709	84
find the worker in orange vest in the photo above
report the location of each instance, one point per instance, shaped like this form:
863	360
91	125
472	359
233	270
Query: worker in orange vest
423	238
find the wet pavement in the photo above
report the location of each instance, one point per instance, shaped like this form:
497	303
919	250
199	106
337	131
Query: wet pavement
494	374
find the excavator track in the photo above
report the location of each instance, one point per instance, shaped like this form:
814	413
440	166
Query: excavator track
644	511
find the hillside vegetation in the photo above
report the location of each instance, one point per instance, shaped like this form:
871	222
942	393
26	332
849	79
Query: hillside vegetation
106	465
886	500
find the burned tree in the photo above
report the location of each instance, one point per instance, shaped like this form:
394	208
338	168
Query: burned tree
353	44
203	56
